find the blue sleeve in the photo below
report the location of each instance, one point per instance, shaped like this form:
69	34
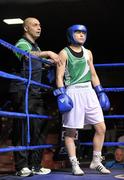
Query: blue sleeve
109	164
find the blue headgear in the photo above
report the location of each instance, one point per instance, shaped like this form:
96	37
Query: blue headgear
71	30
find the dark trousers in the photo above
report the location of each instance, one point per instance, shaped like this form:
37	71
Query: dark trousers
38	130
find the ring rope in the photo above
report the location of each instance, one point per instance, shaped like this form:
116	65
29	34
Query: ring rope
114	117
119	89
105	143
23	115
12	76
110	65
23	148
26	100
20	51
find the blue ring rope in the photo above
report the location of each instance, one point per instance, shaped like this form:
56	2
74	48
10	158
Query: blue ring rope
20	51
22	148
114	117
119	89
110	65
23	115
26	100
11	76
105	143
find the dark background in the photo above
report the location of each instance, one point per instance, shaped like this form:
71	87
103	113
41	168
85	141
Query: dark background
104	21
103	18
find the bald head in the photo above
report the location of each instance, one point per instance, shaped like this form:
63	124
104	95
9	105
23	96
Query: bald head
30	20
32	28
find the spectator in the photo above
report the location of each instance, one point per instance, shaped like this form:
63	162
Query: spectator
118	162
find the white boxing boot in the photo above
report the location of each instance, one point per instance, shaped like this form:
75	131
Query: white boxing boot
76	170
98	165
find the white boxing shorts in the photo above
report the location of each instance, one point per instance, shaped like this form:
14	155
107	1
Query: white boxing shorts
86	107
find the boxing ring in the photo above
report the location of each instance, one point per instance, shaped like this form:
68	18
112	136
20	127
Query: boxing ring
55	175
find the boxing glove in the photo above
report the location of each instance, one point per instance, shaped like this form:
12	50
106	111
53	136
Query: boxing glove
103	99
65	103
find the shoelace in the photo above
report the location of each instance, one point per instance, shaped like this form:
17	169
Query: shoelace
75	163
101	158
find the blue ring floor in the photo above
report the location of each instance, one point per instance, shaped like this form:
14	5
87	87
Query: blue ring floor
66	175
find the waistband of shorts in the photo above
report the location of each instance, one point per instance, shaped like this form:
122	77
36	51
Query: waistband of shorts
80	85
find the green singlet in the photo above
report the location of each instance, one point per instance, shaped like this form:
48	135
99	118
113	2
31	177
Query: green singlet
77	69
